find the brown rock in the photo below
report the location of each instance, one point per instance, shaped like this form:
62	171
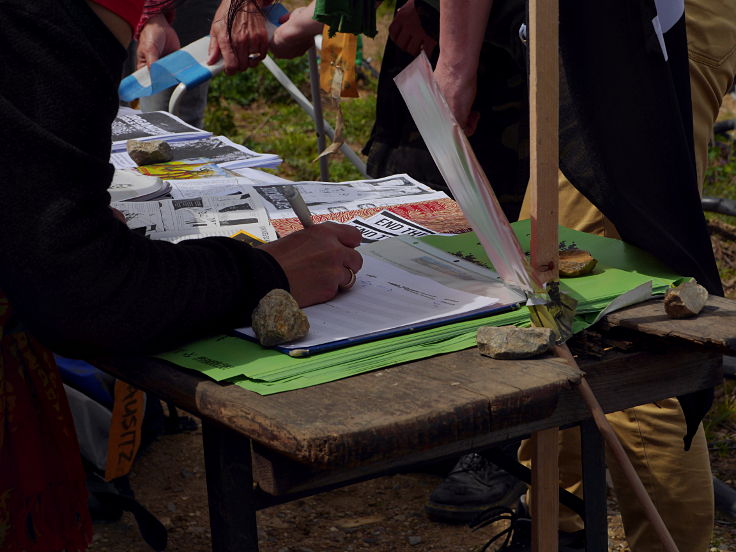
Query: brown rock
278	319
685	300
576	262
149	152
510	342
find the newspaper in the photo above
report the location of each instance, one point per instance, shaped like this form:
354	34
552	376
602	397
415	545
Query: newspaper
181	170
216	186
260	178
175	219
156	125
385	225
215	149
331	197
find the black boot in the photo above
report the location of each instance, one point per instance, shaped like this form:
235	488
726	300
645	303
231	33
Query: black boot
473	486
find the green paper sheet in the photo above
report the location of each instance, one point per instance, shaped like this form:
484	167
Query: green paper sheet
621	268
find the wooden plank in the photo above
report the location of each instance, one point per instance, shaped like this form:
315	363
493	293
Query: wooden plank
377	415
543	136
625	381
417	409
715	326
545	505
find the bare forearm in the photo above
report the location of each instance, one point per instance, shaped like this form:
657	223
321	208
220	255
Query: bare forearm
462	26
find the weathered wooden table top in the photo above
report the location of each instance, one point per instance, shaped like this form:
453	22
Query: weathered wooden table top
452	399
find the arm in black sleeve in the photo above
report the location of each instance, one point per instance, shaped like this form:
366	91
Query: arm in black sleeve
77	277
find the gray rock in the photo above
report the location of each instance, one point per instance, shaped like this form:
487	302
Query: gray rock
278	319
414	540
510	342
685	300
149	152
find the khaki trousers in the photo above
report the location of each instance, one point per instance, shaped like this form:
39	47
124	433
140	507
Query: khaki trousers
679	482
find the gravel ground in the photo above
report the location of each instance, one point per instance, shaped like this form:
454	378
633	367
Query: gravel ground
382	515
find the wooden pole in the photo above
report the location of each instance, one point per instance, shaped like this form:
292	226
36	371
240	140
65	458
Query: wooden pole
543	145
544	157
619	454
543	136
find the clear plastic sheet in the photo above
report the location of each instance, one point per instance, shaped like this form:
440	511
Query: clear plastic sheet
459	167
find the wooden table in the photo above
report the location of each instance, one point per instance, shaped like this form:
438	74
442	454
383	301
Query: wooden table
265	450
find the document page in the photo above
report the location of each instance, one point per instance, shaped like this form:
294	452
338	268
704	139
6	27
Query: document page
198	217
385	299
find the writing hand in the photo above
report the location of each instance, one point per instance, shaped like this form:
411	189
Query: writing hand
157	39
318	260
248	43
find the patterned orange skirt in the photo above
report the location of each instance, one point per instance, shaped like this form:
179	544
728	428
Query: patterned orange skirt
43	498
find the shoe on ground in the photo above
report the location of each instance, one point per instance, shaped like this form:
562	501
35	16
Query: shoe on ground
473	486
516	535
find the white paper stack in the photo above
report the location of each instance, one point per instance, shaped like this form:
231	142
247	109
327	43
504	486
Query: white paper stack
131	186
215	149
156	125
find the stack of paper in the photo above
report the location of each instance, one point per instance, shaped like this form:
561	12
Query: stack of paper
130	186
217	150
156	125
387	300
621	269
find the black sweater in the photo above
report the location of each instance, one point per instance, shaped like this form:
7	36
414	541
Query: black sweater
77	278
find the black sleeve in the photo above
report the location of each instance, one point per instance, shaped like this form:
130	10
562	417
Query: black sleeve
78	278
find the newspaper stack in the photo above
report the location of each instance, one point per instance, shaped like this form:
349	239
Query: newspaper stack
130	186
187	142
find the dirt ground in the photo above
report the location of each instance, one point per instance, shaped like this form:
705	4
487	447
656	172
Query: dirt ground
382	515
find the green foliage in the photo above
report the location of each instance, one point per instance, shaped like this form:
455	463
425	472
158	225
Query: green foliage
285	129
720	175
722	415
272	122
258	83
218	118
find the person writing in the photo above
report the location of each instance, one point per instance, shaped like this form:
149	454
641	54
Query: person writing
75	279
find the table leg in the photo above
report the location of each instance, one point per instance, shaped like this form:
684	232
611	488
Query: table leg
232	504
594	487
545	506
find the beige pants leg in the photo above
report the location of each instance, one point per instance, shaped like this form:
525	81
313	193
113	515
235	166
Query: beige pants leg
679	482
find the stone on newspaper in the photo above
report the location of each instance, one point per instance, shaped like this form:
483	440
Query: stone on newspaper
278	319
149	152
685	300
576	262
510	342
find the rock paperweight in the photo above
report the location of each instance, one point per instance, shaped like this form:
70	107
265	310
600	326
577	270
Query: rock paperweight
149	152
278	319
510	342
685	300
